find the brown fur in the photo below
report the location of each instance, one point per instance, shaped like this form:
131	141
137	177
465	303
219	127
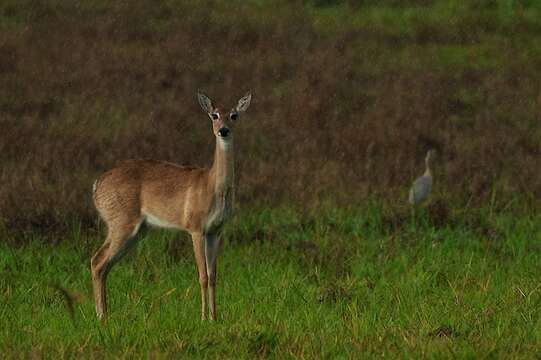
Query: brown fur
197	200
139	187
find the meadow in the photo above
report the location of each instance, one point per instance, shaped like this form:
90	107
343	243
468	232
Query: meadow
336	284
323	258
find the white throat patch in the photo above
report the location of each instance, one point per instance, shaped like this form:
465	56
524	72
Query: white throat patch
223	143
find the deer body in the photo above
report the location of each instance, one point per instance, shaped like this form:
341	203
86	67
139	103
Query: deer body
163	194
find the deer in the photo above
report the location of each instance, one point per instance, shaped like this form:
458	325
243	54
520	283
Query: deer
163	194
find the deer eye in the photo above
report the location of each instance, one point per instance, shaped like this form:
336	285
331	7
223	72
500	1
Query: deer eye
215	116
234	116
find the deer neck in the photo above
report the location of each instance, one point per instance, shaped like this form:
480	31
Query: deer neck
222	173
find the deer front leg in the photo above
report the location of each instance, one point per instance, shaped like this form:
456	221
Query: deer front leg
211	250
199	250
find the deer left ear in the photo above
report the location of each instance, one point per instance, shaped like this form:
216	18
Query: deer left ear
205	102
244	102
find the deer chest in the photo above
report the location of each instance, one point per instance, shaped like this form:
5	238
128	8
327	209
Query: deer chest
221	209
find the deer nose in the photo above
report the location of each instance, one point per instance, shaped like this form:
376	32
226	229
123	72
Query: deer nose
223	132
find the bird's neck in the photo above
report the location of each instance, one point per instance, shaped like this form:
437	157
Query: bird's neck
428	170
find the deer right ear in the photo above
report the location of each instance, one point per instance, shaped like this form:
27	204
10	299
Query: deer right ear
205	102
244	102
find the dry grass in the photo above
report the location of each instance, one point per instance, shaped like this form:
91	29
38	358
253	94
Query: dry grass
339	112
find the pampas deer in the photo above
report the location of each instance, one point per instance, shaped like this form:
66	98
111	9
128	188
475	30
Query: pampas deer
197	200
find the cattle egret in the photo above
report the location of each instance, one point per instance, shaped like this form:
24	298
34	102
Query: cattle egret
422	185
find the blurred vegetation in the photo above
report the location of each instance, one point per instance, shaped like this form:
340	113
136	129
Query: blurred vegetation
348	97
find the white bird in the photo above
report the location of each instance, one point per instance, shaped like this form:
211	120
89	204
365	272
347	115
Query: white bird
422	185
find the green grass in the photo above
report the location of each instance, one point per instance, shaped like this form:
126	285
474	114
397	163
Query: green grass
339	283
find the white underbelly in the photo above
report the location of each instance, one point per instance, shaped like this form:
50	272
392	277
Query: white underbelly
155	221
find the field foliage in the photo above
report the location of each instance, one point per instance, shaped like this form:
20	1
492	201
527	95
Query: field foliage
324	258
340	283
348	96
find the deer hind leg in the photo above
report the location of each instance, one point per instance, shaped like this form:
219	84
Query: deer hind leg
199	251
120	238
212	246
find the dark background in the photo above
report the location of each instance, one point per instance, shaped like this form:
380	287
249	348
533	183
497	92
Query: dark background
347	99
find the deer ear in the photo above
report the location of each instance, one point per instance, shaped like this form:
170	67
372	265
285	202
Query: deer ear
205	102
244	102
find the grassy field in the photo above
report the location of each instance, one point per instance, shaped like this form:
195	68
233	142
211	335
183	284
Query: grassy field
339	283
348	97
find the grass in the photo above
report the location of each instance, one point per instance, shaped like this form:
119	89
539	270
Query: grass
336	283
